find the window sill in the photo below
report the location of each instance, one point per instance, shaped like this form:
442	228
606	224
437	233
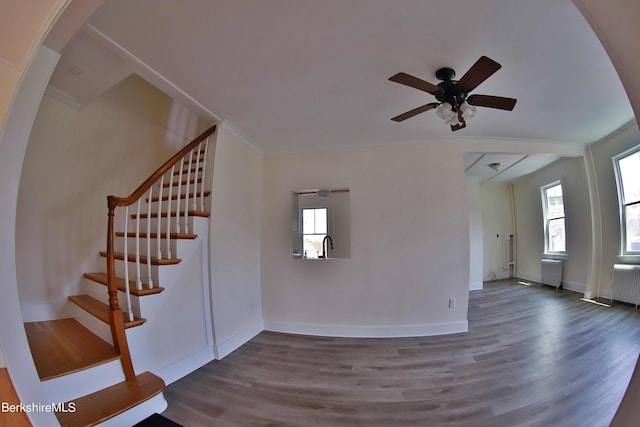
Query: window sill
629	259
563	257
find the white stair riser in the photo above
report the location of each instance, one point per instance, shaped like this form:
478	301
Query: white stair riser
174	205
118	244
92	323
99	292
131	225
87	381
144	272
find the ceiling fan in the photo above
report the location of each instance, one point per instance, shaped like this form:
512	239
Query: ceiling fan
455	105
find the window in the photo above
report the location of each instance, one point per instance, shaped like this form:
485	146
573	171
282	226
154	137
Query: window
555	241
314	230
627	168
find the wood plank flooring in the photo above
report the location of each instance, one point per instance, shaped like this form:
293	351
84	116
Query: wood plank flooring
9	396
533	356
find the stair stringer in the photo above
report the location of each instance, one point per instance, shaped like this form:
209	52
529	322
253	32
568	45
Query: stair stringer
178	335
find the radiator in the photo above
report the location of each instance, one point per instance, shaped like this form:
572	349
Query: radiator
626	283
551	272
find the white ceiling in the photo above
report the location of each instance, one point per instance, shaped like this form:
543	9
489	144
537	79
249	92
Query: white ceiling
303	74
512	166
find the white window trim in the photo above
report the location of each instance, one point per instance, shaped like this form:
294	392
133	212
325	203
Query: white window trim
547	253
623	254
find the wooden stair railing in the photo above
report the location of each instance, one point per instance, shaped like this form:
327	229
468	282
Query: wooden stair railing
193	166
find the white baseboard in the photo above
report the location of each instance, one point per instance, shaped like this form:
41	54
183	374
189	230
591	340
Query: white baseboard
230	344
566	284
574	286
184	367
530	278
368	331
475	286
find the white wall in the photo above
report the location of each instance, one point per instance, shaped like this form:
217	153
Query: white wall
529	219
13	142
496	227
609	212
476	251
235	242
73	161
409	243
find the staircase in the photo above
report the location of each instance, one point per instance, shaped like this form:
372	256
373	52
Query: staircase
133	314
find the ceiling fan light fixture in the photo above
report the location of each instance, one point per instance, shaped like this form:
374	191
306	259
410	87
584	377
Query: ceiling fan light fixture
468	111
445	112
496	166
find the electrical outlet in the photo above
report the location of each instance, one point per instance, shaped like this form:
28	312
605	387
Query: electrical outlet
452	303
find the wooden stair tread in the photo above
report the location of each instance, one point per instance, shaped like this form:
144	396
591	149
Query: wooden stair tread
101	310
177	236
143	259
173	214
63	346
101	278
97	407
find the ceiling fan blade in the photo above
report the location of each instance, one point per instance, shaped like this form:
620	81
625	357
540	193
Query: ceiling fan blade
479	72
414	112
462	124
408	80
492	101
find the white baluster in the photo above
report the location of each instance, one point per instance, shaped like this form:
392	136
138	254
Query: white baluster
149	279
138	279
204	168
195	181
178	197
158	230
186	196
126	262
169	213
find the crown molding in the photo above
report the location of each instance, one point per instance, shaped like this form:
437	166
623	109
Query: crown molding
151	75
228	127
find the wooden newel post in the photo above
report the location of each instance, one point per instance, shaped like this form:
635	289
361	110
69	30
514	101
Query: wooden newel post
111	267
116	320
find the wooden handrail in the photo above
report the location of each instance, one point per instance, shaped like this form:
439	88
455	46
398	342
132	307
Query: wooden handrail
128	201
116	316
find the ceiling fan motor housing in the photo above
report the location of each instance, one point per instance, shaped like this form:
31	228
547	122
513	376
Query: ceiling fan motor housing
451	92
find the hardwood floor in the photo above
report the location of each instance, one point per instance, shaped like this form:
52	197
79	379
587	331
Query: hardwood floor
533	356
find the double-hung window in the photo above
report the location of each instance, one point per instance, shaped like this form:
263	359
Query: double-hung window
314	230
627	168
555	235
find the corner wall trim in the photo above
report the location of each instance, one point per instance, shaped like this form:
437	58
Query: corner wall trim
232	343
368	331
